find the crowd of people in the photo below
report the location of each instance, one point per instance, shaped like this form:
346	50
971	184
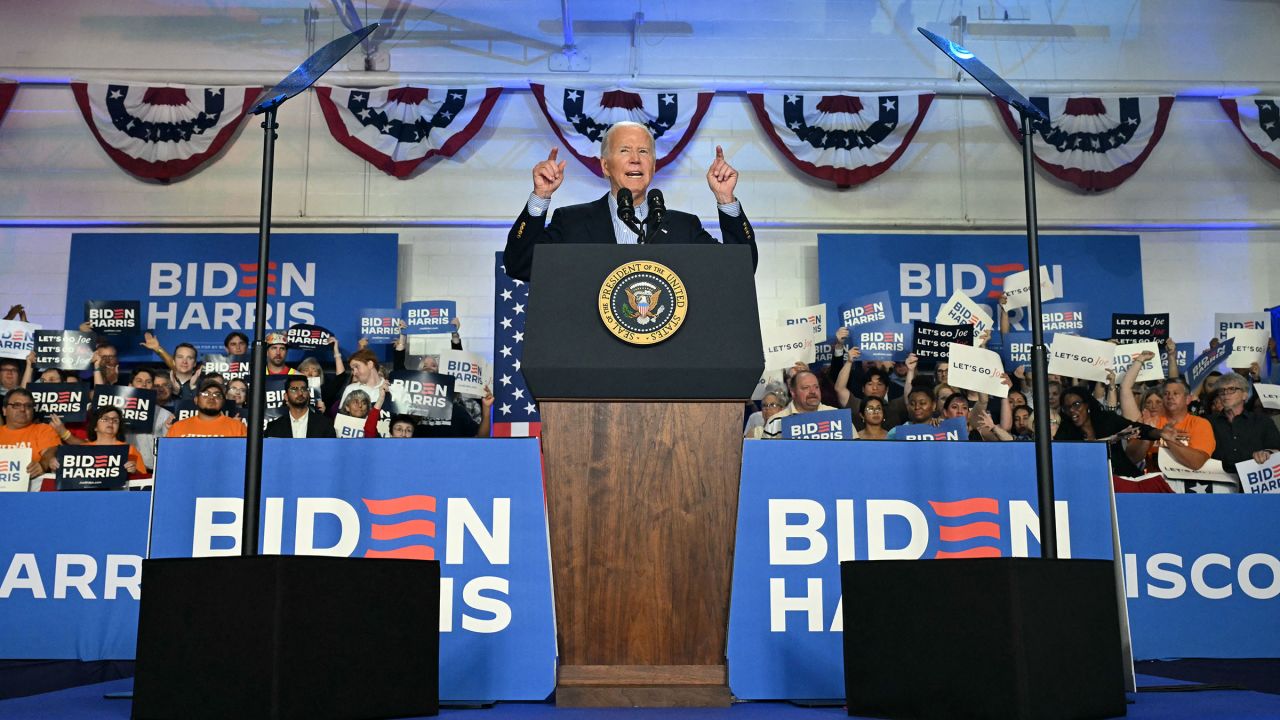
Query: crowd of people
191	401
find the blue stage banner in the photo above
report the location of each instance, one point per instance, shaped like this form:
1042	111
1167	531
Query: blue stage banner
955	429
797	519
422	500
1202	577
199	287
1102	271
71	564
824	425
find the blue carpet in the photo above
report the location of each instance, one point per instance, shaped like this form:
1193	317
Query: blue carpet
87	703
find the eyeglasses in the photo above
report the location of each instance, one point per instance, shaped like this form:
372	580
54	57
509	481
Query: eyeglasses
1230	389
211	394
21	406
1075	405
774	405
299	389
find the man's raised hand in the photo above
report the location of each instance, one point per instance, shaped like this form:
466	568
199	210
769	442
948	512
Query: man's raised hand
722	178
547	175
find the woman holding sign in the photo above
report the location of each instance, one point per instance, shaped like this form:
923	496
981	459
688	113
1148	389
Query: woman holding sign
1086	420
105	426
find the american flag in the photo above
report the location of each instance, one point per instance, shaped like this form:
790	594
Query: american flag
515	414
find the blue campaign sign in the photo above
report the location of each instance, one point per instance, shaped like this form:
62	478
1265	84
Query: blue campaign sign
71	564
416	500
954	429
796	521
1103	272
199	287
1208	361
1015	349
1183	354
1069	318
1202	574
380	325
882	341
823	425
429	317
865	310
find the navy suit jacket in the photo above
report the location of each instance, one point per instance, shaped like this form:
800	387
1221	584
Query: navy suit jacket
592	223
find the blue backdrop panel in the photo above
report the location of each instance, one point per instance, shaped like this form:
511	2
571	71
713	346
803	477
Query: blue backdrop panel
474	505
71	564
803	506
1202	574
199	287
922	271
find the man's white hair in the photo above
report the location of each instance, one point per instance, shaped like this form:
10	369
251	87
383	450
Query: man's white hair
604	144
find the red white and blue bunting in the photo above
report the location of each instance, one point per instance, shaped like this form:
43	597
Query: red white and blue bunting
396	129
162	132
8	89
1094	143
580	117
1258	119
845	139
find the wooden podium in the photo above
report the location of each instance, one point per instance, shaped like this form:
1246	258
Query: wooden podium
642	449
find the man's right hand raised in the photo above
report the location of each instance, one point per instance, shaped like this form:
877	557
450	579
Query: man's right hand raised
547	175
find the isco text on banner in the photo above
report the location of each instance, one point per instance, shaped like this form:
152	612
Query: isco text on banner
1125	355
1207	362
429	317
962	310
17	339
114	317
1225	322
1131	328
428	395
1249	347
91	467
380	326
822	425
930	341
136	404
954	429
882	341
64	349
976	369
1268	395
1080	357
785	346
1260	478
814	316
231	367
69	401
1017	289
471	374
13	469
867	309
308	337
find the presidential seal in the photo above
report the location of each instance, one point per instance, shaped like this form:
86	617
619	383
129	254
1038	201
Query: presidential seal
643	302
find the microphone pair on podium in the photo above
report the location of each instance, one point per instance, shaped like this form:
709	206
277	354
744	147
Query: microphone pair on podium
627	212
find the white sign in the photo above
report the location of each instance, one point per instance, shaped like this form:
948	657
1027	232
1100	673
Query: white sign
785	346
962	310
1268	395
770	377
1257	479
976	369
420	345
1080	357
1125	355
470	372
1211	471
1225	322
1017	289
814	316
347	426
13	469
1250	347
17	339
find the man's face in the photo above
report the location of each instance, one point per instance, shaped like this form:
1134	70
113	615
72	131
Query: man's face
9	375
629	161
431	363
142	380
275	355
237	346
807	395
873	387
209	401
920	406
362	371
942	371
1055	394
402	430
19	411
1175	398
164	391
184	360
110	358
1022	421
298	395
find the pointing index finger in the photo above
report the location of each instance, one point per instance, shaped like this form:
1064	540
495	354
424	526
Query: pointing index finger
552	156
719	153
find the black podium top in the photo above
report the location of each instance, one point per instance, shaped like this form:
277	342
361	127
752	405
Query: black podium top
716	354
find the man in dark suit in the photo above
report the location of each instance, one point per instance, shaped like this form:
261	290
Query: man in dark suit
301	421
627	159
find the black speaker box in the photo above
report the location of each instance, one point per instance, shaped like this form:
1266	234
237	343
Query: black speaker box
982	638
288	637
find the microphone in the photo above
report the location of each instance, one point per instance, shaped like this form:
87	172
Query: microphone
627	211
657	209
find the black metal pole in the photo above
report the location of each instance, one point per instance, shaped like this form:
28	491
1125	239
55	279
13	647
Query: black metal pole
1039	356
257	388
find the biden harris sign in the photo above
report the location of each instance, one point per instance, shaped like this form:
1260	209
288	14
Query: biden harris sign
198	287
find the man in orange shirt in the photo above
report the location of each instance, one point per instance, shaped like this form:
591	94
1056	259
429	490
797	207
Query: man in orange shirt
20	430
209	420
1188	438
